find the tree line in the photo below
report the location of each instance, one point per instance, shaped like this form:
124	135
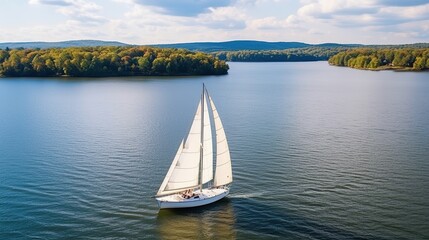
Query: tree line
287	55
369	58
108	61
318	53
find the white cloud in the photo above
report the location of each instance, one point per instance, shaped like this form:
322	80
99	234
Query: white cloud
183	7
402	2
407	13
393	18
78	10
168	21
51	2
228	18
363	13
269	23
326	9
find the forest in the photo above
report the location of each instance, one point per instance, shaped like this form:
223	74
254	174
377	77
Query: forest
287	55
378	59
108	61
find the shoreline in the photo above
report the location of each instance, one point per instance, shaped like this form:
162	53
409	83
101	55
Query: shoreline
387	68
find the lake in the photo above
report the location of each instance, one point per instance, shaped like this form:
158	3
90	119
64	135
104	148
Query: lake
318	152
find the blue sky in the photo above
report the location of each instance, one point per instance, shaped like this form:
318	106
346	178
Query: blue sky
172	21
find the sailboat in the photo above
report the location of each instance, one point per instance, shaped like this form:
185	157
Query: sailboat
190	181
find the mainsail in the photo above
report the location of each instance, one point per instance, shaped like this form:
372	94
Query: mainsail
184	170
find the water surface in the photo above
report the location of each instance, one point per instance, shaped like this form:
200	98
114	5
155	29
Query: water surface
318	152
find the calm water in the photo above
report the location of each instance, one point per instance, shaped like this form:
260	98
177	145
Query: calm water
318	152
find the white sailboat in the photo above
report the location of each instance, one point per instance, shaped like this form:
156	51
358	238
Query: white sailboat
189	182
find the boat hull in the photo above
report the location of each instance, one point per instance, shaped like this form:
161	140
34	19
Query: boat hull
205	197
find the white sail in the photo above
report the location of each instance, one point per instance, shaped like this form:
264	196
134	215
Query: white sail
193	164
184	171
207	170
223	174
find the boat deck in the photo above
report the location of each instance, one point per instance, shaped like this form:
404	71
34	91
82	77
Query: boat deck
200	198
206	193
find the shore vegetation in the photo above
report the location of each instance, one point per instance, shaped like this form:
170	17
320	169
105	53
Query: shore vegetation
406	59
108	61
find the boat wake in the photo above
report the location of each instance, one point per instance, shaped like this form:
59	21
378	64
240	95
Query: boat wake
248	195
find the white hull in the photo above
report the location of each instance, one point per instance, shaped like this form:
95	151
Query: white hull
205	197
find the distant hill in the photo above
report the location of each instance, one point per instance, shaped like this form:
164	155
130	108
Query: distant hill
64	44
234	45
194	46
210	47
247	45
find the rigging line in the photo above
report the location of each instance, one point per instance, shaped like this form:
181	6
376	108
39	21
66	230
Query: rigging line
220	165
223	152
181	181
184	168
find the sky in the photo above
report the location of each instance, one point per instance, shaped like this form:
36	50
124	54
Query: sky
177	21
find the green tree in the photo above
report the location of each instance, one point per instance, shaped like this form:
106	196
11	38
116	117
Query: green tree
158	65
419	63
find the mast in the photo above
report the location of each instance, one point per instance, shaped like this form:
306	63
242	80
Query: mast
202	141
